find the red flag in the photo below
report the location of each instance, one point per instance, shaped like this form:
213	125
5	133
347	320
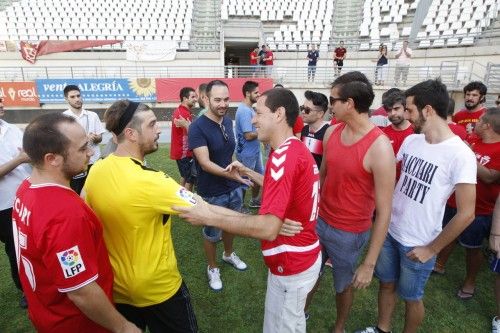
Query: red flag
29	51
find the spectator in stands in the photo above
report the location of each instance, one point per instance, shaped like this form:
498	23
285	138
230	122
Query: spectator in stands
312	58
395	104
254	61
291	186
415	236
474	96
202	93
269	59
65	271
211	138
91	124
403	57
339	57
313	112
495	263
355	179
262	61
179	151
247	145
134	203
14	168
487	151
382	65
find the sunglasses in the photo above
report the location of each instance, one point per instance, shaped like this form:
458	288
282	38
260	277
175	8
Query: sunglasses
224	133
334	99
306	109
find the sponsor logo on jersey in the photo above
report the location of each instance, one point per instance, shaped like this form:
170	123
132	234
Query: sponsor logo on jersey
71	262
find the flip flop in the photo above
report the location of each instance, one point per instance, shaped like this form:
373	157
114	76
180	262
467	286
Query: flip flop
464	295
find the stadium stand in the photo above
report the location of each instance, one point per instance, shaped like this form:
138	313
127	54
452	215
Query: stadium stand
98	20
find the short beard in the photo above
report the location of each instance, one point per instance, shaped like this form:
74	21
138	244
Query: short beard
472	107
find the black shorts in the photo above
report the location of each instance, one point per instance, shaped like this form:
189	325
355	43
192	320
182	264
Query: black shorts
175	315
339	62
185	166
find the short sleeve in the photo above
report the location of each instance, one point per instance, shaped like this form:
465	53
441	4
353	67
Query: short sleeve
196	138
464	168
69	252
246	121
166	192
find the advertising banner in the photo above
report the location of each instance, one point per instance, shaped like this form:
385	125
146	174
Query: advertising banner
98	90
167	90
19	94
151	50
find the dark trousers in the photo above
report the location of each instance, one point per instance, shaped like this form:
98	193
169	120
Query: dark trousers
7	237
175	315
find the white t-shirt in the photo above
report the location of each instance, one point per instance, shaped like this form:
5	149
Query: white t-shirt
92	124
429	173
11	141
403	58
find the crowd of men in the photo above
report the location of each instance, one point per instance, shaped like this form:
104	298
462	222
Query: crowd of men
92	250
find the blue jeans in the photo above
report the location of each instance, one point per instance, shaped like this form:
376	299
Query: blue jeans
253	162
394	266
232	200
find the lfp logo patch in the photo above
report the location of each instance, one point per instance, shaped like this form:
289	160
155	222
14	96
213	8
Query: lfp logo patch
186	196
71	262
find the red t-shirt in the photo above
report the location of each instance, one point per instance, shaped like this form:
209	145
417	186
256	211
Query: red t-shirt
270	62
253	61
339	52
458	130
468	119
298	126
348	193
61	249
291	190
488	155
397	137
179	147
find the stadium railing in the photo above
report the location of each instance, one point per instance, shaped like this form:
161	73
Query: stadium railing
451	73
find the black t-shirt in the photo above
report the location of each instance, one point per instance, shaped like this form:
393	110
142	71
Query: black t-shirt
313	57
262	55
314	141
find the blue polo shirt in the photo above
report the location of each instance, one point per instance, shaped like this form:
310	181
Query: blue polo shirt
244	115
206	132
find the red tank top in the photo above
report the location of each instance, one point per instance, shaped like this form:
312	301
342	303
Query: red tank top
348	193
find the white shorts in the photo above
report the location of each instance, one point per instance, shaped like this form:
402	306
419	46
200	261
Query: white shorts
286	299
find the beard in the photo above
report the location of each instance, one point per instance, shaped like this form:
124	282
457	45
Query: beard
396	121
470	106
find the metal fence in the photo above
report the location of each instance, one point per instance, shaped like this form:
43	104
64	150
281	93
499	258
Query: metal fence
450	73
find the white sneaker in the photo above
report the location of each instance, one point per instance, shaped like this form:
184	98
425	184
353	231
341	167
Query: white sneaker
495	325
214	280
234	260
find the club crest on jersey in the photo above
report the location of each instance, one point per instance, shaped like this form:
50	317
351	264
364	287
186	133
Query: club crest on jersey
71	262
186	195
